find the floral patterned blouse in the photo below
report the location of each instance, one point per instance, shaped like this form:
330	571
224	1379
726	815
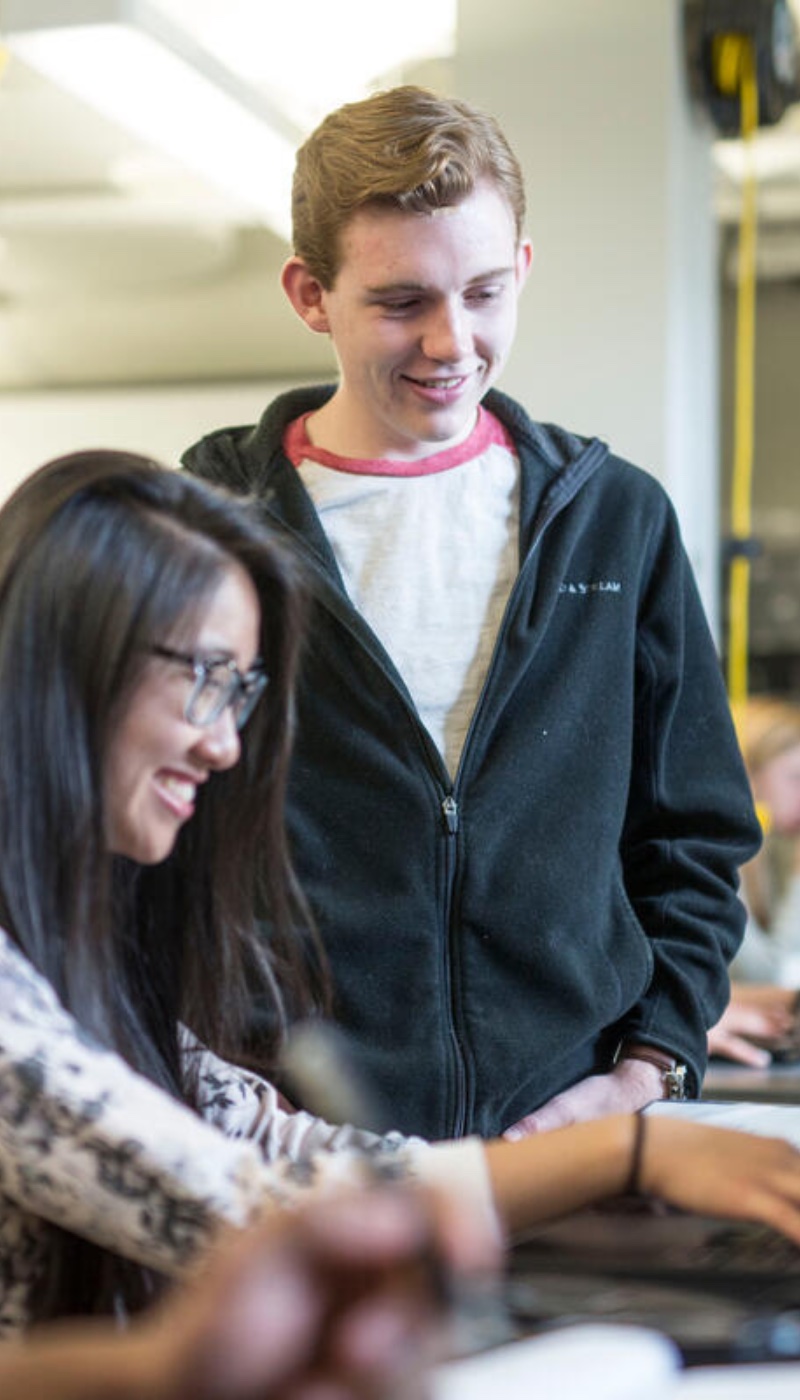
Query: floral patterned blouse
89	1144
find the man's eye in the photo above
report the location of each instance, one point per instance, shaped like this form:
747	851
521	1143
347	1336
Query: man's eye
483	294
400	308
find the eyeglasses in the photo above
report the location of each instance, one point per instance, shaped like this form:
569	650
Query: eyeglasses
218	683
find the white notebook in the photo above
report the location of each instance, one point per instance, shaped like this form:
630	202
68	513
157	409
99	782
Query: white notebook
573	1363
740	1383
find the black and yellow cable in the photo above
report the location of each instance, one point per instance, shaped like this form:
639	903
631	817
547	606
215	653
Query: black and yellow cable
735	72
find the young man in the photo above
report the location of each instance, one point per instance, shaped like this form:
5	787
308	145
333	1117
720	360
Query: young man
517	807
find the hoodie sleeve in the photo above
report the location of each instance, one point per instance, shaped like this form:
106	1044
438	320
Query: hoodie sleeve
690	821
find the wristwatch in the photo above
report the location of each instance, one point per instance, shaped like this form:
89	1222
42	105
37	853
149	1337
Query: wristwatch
673	1073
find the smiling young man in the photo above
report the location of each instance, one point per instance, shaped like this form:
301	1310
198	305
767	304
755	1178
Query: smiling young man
517	805
422	313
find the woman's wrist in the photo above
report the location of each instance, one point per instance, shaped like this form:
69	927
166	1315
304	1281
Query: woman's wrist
551	1173
633	1185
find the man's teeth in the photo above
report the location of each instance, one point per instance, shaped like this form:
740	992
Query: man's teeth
441	383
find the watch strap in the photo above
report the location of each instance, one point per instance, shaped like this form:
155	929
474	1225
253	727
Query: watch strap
673	1073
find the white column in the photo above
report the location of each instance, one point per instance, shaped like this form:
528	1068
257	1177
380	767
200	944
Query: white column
618	327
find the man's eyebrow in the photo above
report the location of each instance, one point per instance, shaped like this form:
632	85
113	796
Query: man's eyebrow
387	288
492	274
391	288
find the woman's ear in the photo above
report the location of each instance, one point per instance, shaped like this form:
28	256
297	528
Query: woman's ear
306	294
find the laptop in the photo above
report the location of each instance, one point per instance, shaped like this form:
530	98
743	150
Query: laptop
778	1083
723	1291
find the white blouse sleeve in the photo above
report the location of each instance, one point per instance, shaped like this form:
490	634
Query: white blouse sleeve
89	1144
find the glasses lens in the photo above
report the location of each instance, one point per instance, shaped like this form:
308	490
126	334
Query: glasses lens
220	684
251	689
212	691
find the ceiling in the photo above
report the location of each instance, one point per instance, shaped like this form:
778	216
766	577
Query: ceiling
117	266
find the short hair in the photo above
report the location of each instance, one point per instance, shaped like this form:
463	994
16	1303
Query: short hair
406	149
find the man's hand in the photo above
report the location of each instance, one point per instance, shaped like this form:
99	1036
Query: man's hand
625	1089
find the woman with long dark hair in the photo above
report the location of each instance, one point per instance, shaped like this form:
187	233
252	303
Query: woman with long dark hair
149	634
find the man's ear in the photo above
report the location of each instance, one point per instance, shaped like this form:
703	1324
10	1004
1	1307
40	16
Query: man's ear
306	293
524	262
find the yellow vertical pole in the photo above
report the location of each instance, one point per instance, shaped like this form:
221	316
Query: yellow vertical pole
735	63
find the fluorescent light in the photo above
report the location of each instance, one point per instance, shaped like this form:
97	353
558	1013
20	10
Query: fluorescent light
258	39
126	60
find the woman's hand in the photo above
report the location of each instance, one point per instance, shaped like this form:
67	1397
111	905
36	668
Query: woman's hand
714	1171
758	1020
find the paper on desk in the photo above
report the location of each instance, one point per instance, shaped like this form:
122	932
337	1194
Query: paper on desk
768	1119
605	1362
779	1382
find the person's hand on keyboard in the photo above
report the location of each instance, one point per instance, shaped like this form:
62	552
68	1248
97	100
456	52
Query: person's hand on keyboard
760	1024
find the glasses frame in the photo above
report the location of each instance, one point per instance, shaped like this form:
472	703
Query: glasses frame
241	693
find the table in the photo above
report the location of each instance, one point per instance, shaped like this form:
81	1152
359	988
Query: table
775	1084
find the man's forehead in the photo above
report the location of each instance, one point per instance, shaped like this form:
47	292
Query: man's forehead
385	209
395	241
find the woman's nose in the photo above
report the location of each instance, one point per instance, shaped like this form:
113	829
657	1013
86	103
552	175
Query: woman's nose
219	743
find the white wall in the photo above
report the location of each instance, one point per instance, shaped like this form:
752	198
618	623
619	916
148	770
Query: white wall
618	324
160	422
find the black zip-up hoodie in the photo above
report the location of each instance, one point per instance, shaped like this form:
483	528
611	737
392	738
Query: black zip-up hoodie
493	937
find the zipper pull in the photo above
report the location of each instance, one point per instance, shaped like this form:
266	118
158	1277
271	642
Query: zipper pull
450	814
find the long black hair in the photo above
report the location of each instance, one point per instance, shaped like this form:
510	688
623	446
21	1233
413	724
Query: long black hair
102	554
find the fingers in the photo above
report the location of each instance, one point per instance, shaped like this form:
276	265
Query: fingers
246	1322
735	1047
714	1171
771	1191
384	1256
630	1086
524	1128
765	995
338	1295
757	1021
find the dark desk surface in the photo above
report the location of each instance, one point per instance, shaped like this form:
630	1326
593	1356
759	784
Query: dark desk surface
721	1291
777	1084
536	1366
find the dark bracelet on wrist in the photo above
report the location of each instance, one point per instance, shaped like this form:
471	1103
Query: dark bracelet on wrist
633	1185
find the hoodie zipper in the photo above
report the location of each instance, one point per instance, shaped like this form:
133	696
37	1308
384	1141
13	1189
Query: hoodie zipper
450	806
450	816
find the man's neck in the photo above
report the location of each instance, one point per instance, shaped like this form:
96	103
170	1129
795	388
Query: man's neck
335	428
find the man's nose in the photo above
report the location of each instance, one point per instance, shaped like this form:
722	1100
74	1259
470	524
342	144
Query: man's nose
447	335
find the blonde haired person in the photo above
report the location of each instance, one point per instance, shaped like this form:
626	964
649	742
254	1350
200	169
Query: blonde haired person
761	1018
769	733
